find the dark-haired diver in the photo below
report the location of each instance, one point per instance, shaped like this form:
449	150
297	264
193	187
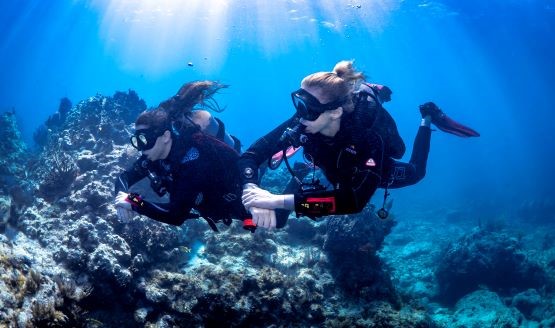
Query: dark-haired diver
350	137
187	156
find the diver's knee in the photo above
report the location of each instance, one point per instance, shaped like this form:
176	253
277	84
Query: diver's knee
420	174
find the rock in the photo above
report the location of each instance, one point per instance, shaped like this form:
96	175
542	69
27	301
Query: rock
488	258
529	303
351	244
484	309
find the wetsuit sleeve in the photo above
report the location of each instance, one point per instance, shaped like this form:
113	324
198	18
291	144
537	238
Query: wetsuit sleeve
339	201
182	198
261	151
128	178
165	213
155	211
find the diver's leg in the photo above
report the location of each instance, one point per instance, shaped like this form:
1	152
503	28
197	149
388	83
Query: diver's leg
420	151
406	174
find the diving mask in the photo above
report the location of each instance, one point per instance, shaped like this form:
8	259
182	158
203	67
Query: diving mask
309	108
144	139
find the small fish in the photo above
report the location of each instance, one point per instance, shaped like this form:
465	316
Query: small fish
185	249
190	64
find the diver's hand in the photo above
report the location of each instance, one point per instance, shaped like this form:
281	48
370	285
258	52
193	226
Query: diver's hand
263	217
123	207
258	197
248	189
249	186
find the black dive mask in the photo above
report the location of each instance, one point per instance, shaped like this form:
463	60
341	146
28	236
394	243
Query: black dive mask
144	139
309	108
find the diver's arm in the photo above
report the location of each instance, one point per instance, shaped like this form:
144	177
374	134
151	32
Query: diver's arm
313	204
347	198
175	212
261	151
332	202
162	212
182	198
158	212
317	203
128	178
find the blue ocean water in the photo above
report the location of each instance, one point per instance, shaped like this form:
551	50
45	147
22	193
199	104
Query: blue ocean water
488	64
478	230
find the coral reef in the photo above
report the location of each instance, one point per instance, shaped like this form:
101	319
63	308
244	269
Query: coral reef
53	124
57	175
15	188
488	258
351	244
99	122
151	274
419	246
33	292
12	148
66	260
484	309
5	206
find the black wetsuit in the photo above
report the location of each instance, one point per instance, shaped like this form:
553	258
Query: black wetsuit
356	161
199	173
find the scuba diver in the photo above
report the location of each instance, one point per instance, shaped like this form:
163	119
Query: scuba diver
345	131
185	155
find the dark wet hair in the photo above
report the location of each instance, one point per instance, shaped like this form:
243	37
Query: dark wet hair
173	114
155	119
193	95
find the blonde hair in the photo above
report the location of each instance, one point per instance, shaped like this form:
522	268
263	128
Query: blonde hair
339	83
